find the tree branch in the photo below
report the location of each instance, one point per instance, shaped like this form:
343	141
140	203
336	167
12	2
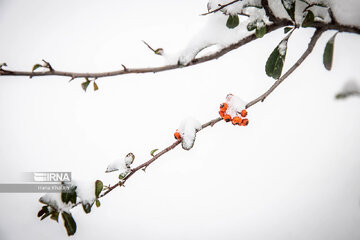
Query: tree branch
309	49
216	55
211	123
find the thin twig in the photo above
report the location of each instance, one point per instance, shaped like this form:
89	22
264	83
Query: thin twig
156	156
221	7
309	49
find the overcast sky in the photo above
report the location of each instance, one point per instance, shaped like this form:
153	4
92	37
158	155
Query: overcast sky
293	173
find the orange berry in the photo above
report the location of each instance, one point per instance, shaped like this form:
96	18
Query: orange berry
244	122
222	114
236	120
177	135
223	107
243	113
227	118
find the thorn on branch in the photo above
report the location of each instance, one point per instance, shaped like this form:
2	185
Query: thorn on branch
48	65
125	69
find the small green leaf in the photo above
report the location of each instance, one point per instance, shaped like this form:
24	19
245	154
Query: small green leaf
251	26
55	216
260	31
98	187
329	52
36	66
69	223
275	62
45	216
287	29
86	207
289	6
233	21
95	86
69	195
309	19
85	84
122	175
42	211
97	202
153	151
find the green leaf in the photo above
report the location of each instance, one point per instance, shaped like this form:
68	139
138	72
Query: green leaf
69	223
69	195
36	66
45	216
42	211
233	21
289	6
86	207
329	52
275	62
153	151
260	31
97	202
96	87
287	29
309	19
85	84
55	216
122	175
251	25
98	187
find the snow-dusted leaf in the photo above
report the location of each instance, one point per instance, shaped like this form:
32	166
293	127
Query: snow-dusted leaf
251	25
308	19
289	6
275	62
96	87
36	66
85	84
259	26
55	216
233	21
153	151
86	207
122	175
69	223
98	187
97	203
260	31
329	52
69	195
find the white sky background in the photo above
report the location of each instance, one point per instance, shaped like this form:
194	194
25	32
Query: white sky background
293	173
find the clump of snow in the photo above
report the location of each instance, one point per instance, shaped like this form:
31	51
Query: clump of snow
282	47
188	129
54	200
215	31
85	191
122	165
235	105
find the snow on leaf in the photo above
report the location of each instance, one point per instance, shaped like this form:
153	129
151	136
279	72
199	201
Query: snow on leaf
188	129
289	6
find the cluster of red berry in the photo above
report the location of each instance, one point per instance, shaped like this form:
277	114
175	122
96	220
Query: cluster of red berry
235	120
